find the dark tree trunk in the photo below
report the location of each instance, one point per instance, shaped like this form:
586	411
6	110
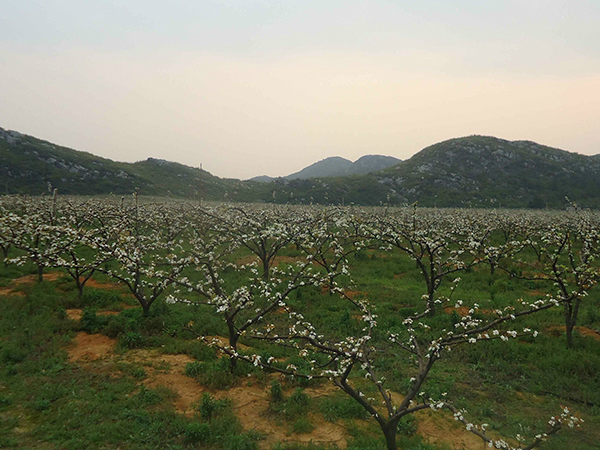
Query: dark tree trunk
430	282
389	432
266	268
233	338
81	279
569	323
5	253
40	272
569	336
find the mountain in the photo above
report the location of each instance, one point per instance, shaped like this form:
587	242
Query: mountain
32	166
480	170
474	171
334	166
373	163
337	166
262	179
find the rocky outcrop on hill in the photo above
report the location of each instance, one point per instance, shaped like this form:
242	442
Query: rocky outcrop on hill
487	171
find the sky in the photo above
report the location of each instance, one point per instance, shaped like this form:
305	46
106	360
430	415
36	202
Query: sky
257	87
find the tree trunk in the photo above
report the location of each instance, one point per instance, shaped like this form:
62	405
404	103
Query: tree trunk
569	324
430	283
145	308
570	336
40	272
5	252
266	268
390	437
233	338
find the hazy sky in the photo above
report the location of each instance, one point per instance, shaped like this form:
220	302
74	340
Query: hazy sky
267	87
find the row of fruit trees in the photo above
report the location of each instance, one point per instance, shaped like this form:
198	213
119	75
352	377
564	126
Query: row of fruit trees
181	252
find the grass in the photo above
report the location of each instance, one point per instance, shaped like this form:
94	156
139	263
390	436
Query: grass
341	406
48	402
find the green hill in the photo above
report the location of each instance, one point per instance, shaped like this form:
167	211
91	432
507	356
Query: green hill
32	166
487	171
336	166
474	171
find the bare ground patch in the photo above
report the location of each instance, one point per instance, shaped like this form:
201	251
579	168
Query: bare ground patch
250	402
74	314
222	341
438	428
98	285
26	280
77	313
463	311
6	291
31	279
583	331
169	371
251	406
91	347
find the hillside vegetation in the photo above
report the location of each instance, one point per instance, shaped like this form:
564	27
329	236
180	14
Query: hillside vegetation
474	171
32	166
481	171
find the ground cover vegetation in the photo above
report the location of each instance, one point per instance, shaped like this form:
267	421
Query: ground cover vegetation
132	324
